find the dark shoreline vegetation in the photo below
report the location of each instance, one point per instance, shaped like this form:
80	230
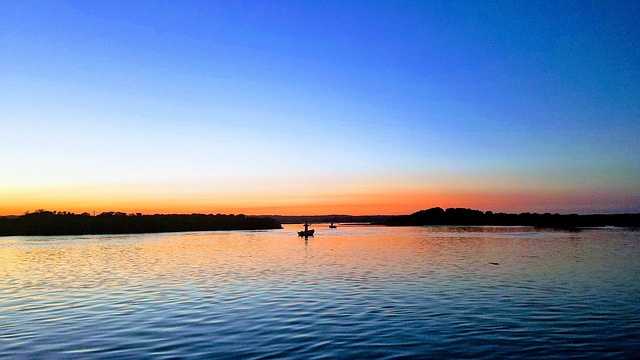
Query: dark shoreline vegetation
43	222
462	216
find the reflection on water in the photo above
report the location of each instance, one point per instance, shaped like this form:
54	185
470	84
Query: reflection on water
355	291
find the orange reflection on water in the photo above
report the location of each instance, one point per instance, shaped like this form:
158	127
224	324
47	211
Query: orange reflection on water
102	264
109	262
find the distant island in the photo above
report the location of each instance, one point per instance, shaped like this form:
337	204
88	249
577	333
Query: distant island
43	222
462	216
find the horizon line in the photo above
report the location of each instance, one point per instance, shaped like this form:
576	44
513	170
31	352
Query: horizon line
309	215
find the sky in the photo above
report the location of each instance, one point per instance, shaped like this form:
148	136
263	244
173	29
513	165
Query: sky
319	107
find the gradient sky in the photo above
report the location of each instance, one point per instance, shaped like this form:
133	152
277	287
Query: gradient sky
319	107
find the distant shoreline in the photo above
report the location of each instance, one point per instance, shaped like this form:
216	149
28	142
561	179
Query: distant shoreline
469	217
45	223
463	216
64	223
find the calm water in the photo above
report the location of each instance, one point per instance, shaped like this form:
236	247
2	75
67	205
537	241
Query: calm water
374	292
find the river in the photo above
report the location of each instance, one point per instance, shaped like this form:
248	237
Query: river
350	292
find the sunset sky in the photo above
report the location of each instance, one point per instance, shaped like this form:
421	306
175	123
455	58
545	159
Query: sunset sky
319	107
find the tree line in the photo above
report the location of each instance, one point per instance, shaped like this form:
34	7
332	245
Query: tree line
43	222
463	216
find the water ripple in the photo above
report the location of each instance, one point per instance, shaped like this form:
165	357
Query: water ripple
361	292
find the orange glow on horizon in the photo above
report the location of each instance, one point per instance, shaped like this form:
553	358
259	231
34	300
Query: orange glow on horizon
363	203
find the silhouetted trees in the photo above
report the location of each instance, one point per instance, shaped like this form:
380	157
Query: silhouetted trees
43	222
461	216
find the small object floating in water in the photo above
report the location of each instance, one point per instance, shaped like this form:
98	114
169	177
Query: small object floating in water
332	226
494	263
306	231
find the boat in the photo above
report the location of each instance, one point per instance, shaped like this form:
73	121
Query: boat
332	226
306	231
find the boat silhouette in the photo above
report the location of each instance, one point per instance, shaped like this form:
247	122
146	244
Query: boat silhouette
306	231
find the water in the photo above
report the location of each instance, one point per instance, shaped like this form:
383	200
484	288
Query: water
351	292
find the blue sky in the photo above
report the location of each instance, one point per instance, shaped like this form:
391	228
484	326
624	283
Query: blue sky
239	100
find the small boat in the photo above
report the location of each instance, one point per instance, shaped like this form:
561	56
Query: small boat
332	226
306	231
